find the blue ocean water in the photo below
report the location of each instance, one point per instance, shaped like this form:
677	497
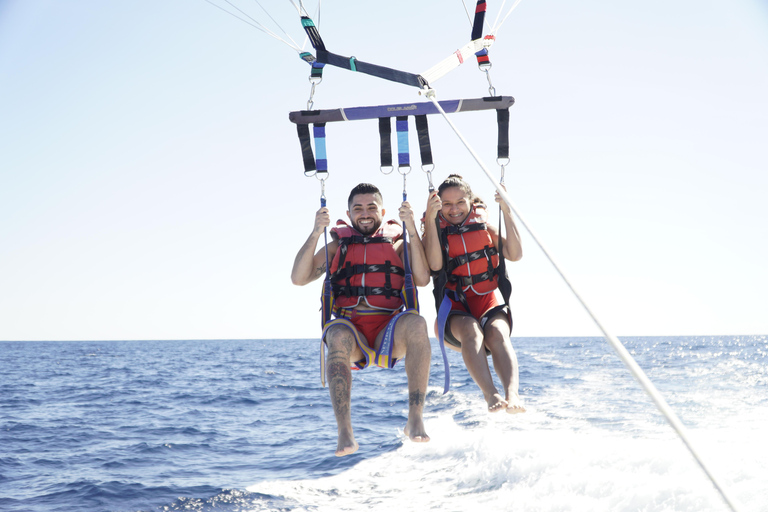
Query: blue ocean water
245	426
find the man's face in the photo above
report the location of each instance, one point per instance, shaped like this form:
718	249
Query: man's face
365	214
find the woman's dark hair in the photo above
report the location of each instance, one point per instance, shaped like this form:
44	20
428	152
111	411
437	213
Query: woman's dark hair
455	180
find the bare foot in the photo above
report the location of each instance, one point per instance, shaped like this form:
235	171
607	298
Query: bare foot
515	404
415	431
346	445
496	403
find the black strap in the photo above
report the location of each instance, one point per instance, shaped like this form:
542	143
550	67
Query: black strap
467	228
477	24
352	270
359	239
385	137
422	128
367	68
312	33
502	118
458	261
364	291
306	149
464	281
505	286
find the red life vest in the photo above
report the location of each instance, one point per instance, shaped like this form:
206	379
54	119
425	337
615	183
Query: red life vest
367	266
472	258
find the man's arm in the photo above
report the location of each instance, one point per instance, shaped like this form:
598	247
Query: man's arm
308	267
431	240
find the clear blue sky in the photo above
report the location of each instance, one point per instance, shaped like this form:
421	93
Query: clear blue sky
151	186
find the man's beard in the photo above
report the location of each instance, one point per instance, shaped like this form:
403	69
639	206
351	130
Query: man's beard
368	229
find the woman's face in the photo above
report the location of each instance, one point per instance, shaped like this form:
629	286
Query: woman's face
456	205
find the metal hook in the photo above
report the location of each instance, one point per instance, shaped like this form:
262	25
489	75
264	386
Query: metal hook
503	162
487	70
428	169
314	81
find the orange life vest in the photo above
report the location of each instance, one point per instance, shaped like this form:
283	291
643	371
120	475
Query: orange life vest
367	266
472	258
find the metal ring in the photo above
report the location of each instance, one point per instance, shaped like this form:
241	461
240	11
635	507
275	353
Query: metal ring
403	167
390	167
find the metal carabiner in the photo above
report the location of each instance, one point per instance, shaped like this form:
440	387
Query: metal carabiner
314	81
428	169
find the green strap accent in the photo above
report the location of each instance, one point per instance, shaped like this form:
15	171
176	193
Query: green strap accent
306	22
352	64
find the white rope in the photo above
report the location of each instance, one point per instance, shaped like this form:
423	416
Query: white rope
496	25
455	59
622	352
254	23
296	45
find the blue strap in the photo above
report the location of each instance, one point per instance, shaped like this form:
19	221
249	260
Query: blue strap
318	130
403	152
383	356
442	318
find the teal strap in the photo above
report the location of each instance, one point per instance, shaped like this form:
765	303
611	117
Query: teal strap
352	64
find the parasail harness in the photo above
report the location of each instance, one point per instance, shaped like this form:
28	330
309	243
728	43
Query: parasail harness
316	163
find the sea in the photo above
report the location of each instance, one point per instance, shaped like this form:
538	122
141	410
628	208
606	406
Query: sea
245	425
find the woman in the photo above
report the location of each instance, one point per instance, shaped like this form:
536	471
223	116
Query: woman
465	248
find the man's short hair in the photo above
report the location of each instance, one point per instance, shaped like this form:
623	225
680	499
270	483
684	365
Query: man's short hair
365	188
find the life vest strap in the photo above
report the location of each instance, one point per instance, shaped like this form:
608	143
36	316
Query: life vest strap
352	270
458	261
364	291
467	228
358	239
465	281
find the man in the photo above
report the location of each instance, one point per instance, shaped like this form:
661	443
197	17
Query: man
368	304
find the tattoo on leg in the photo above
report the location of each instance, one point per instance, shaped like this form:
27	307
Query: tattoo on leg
416	398
340	385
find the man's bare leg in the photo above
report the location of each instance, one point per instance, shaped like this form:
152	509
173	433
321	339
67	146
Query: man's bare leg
412	341
467	330
497	332
341	342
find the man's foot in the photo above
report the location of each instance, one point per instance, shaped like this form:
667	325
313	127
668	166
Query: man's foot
347	445
415	431
515	404
496	403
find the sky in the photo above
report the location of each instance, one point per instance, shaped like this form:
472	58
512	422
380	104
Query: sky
152	188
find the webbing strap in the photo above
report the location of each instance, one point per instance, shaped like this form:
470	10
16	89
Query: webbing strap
442	317
477	24
367	68
422	128
505	286
502	119
364	291
312	33
321	161
403	152
306	149
350	270
385	137
326	302
317	67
